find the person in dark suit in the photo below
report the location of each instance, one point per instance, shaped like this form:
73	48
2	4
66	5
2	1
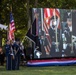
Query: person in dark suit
67	35
54	33
68	30
52	29
16	47
12	54
74	30
8	55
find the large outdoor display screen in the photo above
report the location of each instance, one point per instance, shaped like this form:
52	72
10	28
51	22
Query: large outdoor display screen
55	32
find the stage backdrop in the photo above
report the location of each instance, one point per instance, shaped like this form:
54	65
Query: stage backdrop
54	32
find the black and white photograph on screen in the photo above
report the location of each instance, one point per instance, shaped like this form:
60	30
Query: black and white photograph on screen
68	33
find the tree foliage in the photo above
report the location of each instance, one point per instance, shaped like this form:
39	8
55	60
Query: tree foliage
21	13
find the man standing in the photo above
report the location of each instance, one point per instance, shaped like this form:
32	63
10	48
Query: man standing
54	33
17	53
12	54
67	35
8	56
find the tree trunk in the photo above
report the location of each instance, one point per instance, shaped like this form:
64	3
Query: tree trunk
36	3
28	14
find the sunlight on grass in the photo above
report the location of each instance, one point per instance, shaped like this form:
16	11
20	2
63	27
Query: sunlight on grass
49	70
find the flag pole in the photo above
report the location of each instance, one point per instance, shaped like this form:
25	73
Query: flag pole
12	14
57	50
42	18
9	24
8	35
72	51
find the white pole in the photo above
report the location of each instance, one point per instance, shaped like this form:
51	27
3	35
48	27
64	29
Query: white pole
71	35
55	22
42	18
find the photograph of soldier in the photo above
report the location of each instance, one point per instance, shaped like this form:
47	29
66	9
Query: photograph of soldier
54	33
44	43
67	49
46	46
74	31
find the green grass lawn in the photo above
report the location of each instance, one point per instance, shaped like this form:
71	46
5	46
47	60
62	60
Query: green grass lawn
50	70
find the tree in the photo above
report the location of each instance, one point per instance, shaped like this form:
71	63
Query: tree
21	13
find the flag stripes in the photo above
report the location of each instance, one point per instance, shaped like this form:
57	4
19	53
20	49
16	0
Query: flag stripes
11	28
48	13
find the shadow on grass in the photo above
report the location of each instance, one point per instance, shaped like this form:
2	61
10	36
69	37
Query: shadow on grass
2	68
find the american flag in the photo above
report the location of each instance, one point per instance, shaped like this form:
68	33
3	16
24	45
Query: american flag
11	28
48	13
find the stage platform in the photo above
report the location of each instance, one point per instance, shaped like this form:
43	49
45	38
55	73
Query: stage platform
52	62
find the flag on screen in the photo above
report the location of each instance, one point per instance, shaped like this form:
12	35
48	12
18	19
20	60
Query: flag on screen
11	28
48	13
57	11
